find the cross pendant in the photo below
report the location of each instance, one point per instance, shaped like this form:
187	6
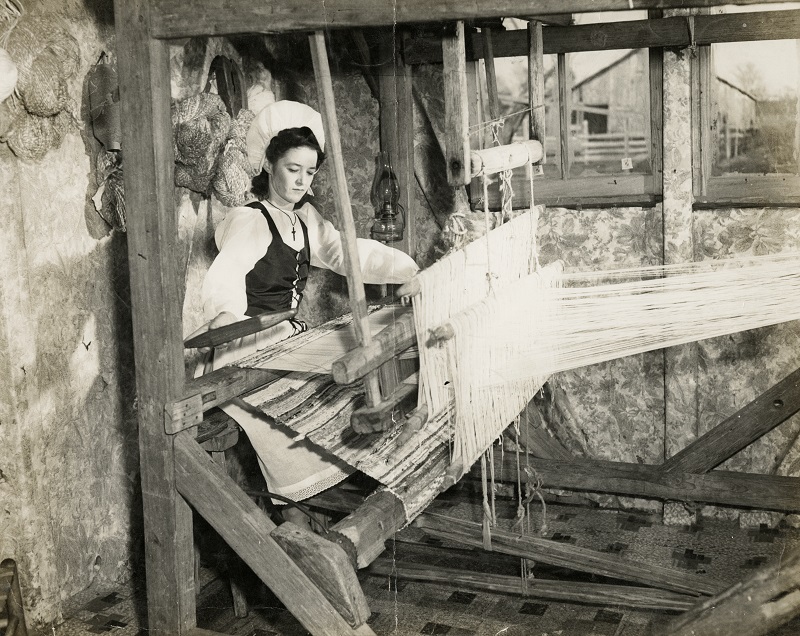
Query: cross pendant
293	237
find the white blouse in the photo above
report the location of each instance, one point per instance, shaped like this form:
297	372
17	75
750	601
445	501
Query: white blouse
243	237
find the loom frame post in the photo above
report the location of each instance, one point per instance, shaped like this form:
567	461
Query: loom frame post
152	230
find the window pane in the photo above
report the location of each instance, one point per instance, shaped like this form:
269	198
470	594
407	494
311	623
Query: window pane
512	89
610	112
754	117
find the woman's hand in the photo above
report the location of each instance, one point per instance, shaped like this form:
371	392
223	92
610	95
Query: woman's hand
223	318
220	320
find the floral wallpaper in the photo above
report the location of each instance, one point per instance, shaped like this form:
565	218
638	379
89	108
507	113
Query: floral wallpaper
616	407
735	369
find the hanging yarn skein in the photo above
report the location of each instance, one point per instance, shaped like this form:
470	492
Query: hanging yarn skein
47	58
200	126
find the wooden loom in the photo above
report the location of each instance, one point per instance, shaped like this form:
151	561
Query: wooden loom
176	472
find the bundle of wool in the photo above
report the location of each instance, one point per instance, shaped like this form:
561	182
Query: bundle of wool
113	201
47	58
6	117
231	182
200	126
31	136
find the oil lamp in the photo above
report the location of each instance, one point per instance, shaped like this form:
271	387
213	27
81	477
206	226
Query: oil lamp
384	196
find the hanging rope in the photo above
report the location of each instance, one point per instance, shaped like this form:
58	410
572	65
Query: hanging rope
535	491
487	511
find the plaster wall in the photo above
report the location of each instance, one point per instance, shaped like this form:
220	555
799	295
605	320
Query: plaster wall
68	495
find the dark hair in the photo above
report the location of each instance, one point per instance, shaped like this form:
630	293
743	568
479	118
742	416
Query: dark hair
279	145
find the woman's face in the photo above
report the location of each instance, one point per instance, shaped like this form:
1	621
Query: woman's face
291	175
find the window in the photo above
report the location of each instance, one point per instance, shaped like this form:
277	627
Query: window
747	114
601	108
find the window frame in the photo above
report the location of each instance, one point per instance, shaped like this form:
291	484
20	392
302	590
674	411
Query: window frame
656	33
740	190
614	190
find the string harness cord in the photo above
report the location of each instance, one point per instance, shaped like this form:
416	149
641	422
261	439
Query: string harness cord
507	194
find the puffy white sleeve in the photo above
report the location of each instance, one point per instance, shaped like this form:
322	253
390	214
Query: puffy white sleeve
379	263
242	238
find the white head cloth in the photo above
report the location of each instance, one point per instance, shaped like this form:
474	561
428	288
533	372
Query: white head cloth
274	118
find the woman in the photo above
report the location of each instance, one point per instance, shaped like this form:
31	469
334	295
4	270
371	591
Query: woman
265	250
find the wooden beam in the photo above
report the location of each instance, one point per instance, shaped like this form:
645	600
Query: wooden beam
554	19
564	112
456	108
240	329
185	18
752	421
397	130
247	529
399	403
754	607
386	344
365	59
491	76
655	63
670	32
536	94
155	292
567	556
211	390
565	591
347	228
369	526
742	490
702	138
12	611
328	566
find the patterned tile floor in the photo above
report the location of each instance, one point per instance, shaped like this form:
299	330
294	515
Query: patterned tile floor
715	548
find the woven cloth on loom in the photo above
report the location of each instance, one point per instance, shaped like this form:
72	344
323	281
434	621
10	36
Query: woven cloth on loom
317	349
314	406
480	271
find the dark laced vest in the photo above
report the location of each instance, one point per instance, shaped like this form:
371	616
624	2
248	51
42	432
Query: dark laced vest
278	279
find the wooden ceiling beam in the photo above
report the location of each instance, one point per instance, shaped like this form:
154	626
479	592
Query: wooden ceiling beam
554	19
184	18
635	34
